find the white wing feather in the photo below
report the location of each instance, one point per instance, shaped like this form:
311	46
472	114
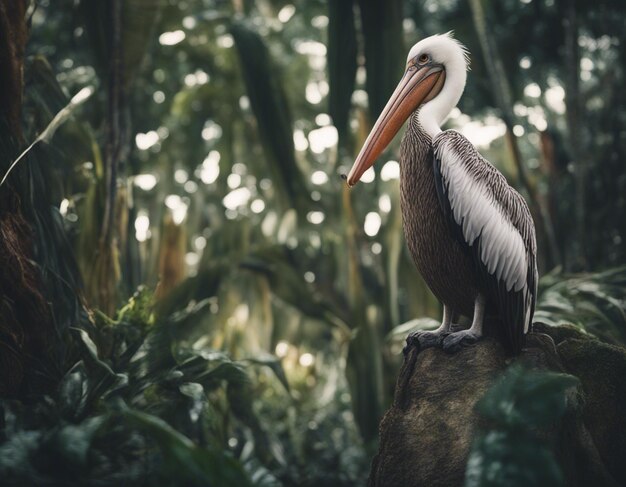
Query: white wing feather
490	214
474	208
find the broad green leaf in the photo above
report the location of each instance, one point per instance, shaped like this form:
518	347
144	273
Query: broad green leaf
519	412
185	461
73	441
269	105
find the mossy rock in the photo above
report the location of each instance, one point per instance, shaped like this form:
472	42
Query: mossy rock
427	433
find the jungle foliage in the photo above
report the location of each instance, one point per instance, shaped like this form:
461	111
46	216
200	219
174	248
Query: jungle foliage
225	311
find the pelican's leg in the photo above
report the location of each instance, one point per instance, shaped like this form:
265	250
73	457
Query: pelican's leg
457	340
427	339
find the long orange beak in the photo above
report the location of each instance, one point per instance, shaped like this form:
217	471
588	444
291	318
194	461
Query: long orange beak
415	87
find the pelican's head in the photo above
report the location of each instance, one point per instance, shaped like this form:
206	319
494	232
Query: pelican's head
435	75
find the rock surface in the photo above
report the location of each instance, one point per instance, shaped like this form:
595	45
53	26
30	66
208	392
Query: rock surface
426	435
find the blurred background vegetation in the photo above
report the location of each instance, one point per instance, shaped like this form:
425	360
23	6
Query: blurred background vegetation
221	310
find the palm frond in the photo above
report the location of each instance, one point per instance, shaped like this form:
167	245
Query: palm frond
595	302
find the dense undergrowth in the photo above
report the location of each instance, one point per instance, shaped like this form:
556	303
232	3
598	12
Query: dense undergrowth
143	406
145	402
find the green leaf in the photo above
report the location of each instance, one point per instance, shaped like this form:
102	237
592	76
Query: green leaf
139	308
595	302
229	372
274	364
73	391
17	452
503	459
517	411
526	399
73	441
104	380
270	108
185	461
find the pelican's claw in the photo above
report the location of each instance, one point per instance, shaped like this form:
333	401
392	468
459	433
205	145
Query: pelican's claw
453	342
425	339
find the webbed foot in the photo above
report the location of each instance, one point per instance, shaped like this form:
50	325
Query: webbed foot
454	342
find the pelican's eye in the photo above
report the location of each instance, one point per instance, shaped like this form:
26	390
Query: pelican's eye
423	59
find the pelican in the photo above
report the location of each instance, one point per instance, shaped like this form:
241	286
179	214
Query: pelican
470	234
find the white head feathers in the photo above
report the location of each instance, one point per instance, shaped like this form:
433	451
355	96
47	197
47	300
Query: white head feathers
447	51
442	48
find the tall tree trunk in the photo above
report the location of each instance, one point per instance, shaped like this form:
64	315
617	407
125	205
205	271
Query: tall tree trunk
120	32
342	65
572	99
105	283
364	365
381	23
25	319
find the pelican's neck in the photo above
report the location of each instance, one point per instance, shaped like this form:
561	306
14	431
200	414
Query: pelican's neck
433	114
